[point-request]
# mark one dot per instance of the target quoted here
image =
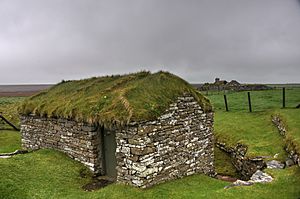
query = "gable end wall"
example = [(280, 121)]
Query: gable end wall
[(179, 143)]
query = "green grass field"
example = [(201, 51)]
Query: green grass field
[(51, 174), (261, 100), (9, 141), (291, 118), (256, 129)]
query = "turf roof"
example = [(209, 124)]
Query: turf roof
[(120, 98)]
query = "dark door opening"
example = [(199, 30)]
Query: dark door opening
[(109, 153)]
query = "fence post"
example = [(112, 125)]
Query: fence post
[(249, 101), (283, 97), (226, 105)]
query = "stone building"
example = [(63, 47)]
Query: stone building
[(222, 85), (140, 129)]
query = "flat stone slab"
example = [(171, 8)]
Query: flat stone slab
[(4, 157), (239, 183), (257, 177), (274, 164), (16, 152), (261, 177)]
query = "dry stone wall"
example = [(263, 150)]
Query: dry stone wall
[(80, 141), (246, 166), (290, 147), (179, 143)]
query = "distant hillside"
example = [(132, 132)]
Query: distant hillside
[(284, 85), (22, 90), (197, 85)]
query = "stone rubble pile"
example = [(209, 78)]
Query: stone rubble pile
[(261, 177), (257, 177)]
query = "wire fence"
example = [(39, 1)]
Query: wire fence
[(277, 97)]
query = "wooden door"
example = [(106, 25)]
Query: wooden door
[(110, 153)]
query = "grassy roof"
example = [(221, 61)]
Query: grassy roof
[(119, 98)]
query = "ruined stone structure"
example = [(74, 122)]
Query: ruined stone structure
[(233, 85), (178, 143), (290, 148), (246, 166)]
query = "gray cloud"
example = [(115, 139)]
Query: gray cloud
[(251, 41)]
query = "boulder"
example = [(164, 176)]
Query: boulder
[(289, 162)]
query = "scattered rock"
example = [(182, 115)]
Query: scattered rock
[(274, 164), (261, 177), (276, 155), (289, 162), (239, 183), (257, 177)]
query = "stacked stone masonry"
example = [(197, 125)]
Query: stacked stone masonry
[(80, 141), (290, 147), (246, 166), (179, 143)]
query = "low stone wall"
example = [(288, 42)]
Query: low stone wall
[(179, 143), (244, 165), (290, 147), (78, 140)]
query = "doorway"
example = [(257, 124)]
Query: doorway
[(109, 153)]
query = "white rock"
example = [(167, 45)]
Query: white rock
[(149, 171), (5, 156), (138, 167), (137, 182), (125, 150), (274, 164), (190, 173), (148, 161), (261, 177), (163, 117)]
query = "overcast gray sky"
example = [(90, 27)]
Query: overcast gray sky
[(45, 41)]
